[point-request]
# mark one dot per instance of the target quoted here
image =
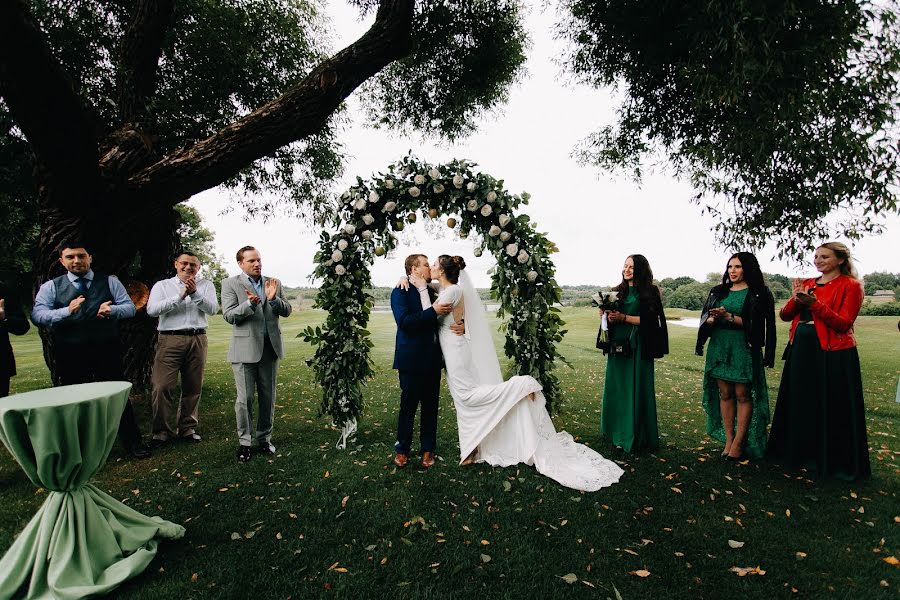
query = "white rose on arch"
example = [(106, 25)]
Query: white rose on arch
[(470, 187), (368, 219), (458, 181), (389, 206), (342, 244), (388, 184), (414, 191), (522, 257), (340, 270), (328, 262), (504, 236), (359, 204), (492, 196), (532, 276), (366, 234), (472, 205), (419, 179), (374, 197), (434, 173), (349, 229), (337, 256), (504, 220), (512, 249), (494, 231), (438, 188), (346, 197), (486, 210)]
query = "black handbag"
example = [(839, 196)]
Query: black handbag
[(623, 348)]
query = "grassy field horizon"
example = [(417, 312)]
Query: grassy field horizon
[(315, 521)]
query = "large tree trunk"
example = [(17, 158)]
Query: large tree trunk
[(109, 190)]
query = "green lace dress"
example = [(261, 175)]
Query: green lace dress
[(628, 418), (729, 359)]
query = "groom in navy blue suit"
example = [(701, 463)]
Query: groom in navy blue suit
[(417, 358)]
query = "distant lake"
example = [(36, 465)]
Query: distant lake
[(685, 322), (387, 308)]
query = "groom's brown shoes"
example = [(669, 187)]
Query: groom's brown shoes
[(427, 459), (400, 460)]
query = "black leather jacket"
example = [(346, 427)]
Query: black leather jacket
[(758, 316)]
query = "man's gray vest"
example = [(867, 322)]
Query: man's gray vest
[(83, 326)]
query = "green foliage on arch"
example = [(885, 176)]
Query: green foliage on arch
[(364, 226)]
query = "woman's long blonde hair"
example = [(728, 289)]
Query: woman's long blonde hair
[(842, 251)]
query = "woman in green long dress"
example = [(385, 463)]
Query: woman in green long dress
[(739, 320), (638, 335)]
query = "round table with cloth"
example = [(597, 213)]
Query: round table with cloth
[(82, 541)]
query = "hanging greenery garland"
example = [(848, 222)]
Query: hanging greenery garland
[(364, 225)]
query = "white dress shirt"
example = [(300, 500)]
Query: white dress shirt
[(176, 313)]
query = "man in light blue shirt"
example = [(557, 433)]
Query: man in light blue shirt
[(82, 309), (182, 304)]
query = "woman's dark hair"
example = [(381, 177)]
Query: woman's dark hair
[(451, 266), (643, 281), (752, 273)]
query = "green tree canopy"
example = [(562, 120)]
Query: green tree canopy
[(780, 112)]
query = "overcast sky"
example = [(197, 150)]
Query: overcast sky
[(595, 218)]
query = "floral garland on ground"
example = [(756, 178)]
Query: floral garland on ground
[(365, 222)]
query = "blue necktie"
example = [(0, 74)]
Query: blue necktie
[(81, 284)]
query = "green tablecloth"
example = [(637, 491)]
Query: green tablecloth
[(81, 541)]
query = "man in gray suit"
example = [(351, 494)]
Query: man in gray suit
[(252, 304)]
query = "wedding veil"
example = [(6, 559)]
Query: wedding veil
[(481, 343)]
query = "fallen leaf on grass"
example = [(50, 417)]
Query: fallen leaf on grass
[(235, 536), (344, 501), (569, 578), (507, 486), (485, 558), (640, 573), (735, 544), (800, 555), (676, 490), (744, 571), (891, 560), (195, 577)]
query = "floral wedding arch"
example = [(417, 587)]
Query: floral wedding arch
[(364, 226)]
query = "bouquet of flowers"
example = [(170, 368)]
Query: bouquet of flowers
[(606, 301)]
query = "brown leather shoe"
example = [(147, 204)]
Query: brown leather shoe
[(427, 459), (400, 460)]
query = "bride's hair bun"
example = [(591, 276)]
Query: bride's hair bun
[(451, 266)]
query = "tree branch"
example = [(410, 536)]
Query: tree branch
[(42, 98), (301, 111), (139, 56)]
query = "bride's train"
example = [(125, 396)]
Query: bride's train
[(507, 421)]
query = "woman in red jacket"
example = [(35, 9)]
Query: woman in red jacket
[(819, 420)]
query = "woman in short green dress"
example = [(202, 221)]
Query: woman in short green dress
[(739, 320), (638, 326)]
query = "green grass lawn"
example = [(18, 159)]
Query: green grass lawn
[(316, 521)]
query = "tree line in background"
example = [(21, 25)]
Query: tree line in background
[(678, 292)]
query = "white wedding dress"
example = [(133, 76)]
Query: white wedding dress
[(497, 417)]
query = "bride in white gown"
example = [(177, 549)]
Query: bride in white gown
[(500, 422)]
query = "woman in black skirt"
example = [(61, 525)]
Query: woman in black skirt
[(819, 421)]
